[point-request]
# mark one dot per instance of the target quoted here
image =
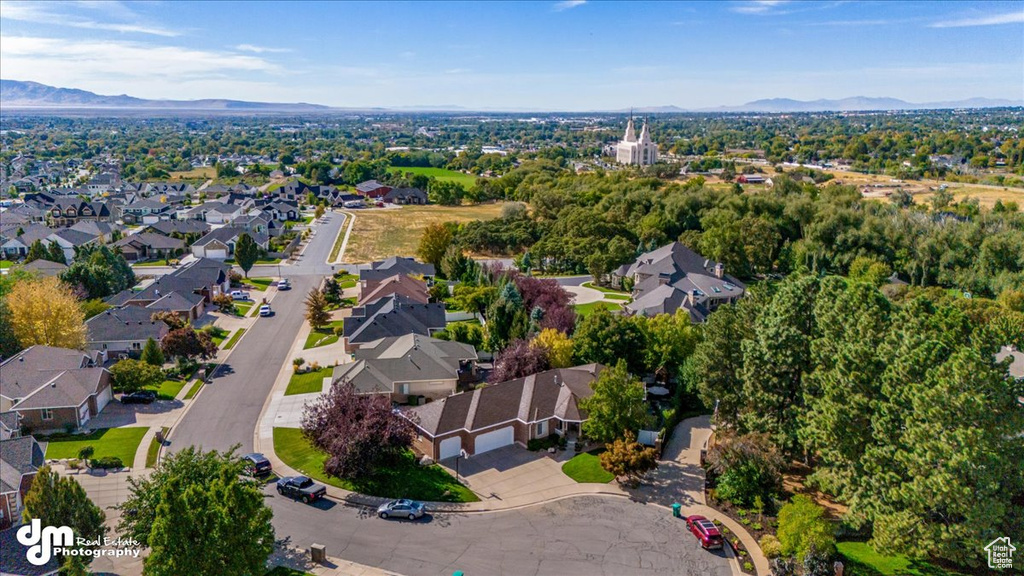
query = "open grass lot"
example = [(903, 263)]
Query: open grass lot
[(205, 173), (120, 442), (378, 234), (585, 468), (862, 560), (323, 336), (234, 339), (584, 310), (405, 479), (441, 174), (169, 389), (308, 382)]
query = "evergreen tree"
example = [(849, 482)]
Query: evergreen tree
[(54, 253), (61, 501), (36, 251)]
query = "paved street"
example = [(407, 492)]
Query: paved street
[(229, 407), (577, 536)]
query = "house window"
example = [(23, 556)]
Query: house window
[(47, 414), (541, 429), (403, 388), (136, 346)]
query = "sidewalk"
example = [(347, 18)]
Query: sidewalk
[(298, 559)]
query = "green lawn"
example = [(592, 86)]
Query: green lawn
[(242, 308), (307, 219), (346, 280), (234, 339), (258, 261), (194, 389), (5, 264), (619, 297), (217, 334), (154, 449), (862, 560), (404, 479), (151, 263), (168, 389), (605, 290), (585, 467), (441, 174), (584, 310), (257, 283), (308, 382), (323, 336), (120, 442)]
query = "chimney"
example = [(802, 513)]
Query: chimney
[(719, 270)]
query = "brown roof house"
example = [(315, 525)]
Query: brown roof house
[(408, 286), (504, 414), (53, 388), (407, 367)]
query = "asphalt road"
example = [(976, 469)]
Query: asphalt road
[(229, 407), (584, 536)]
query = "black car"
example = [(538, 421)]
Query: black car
[(139, 397), (302, 488), (256, 464)]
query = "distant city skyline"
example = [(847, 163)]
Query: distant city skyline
[(568, 55)]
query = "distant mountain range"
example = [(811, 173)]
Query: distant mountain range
[(18, 94)]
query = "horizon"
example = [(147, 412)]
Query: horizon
[(536, 56)]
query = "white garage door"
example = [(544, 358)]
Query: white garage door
[(219, 254), (102, 399), (450, 447), (496, 439)]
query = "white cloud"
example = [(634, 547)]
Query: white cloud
[(758, 6), (991, 20), (568, 5), (260, 49), (41, 13)]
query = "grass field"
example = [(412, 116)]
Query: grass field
[(441, 174), (234, 339), (405, 479), (308, 382), (168, 389), (378, 234), (205, 173), (584, 310), (585, 468), (242, 308), (862, 560), (119, 442)]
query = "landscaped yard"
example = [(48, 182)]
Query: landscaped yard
[(242, 308), (604, 289), (405, 479), (169, 389), (585, 467), (346, 280), (234, 339), (441, 174), (151, 263), (308, 382), (378, 234), (862, 560), (323, 336), (120, 442), (584, 310)]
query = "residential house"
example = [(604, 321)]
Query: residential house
[(169, 189), (405, 196), (282, 211), (20, 459), (504, 414), (189, 306), (394, 315), (219, 244), (53, 388), (45, 268), (673, 278), (123, 330), (69, 240), (202, 277), (147, 245), (395, 265), (406, 367), (146, 211), (15, 246), (180, 228), (104, 182), (415, 290), (103, 231), (372, 189), (10, 425), (69, 210), (215, 212)]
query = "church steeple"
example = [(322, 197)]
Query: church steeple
[(645, 135), (630, 132)]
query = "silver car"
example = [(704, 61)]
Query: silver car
[(410, 509)]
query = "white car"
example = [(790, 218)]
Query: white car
[(284, 284), (239, 295), (265, 310)]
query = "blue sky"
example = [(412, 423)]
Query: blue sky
[(520, 55)]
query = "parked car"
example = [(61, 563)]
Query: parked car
[(239, 295), (256, 464), (302, 488), (706, 532), (284, 284), (265, 310), (380, 204), (410, 509), (139, 397)]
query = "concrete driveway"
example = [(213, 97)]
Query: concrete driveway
[(513, 474)]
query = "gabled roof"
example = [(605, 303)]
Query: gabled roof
[(396, 265), (93, 227), (404, 194), (380, 364), (394, 315), (175, 302), (124, 324), (370, 186), (230, 233), (18, 456), (75, 237), (188, 226), (152, 240), (398, 284), (27, 370)]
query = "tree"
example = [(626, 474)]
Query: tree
[(191, 497), (439, 292), (319, 212), (748, 467), (43, 311), (670, 340), (434, 242), (36, 251), (445, 192), (454, 263), (99, 271), (359, 432), (186, 343), (472, 298), (173, 320), (61, 501), (54, 253), (869, 270), (131, 375), (617, 406), (605, 338), (802, 525), (519, 359), (224, 303), (246, 252), (316, 309), (558, 347), (629, 460)]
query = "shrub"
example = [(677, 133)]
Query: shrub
[(757, 526), (802, 525), (86, 452), (749, 467), (107, 462), (748, 567), (339, 331), (74, 463), (771, 546), (297, 363), (314, 366)]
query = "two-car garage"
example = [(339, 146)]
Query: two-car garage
[(452, 446)]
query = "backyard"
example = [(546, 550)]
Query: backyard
[(119, 442), (404, 479), (862, 560), (308, 382), (378, 234)]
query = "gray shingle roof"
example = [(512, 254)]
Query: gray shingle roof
[(393, 315), (126, 323), (14, 559), (27, 370), (152, 240), (18, 456), (380, 364)]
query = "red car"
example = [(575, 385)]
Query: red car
[(705, 531)]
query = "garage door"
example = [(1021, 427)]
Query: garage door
[(220, 254), (450, 447), (103, 399), (496, 439)]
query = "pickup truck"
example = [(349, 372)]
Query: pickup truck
[(302, 488)]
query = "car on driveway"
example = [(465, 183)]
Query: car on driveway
[(239, 295), (707, 533), (410, 509), (265, 310), (301, 488), (256, 464), (139, 397)]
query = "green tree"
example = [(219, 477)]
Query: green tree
[(617, 407), (718, 361), (246, 252), (558, 346), (670, 340), (54, 253), (319, 212), (802, 525), (131, 375), (151, 353), (316, 309), (454, 263), (749, 468), (434, 243), (36, 251), (606, 338), (61, 501), (869, 270), (445, 192)]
